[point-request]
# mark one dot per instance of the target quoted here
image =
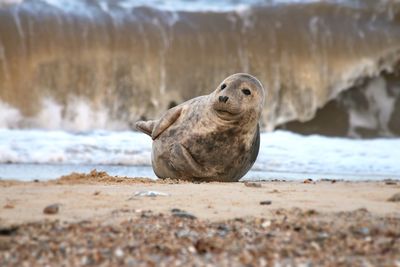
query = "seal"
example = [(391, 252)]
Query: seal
[(214, 137)]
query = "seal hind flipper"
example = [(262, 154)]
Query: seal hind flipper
[(145, 126), (165, 121)]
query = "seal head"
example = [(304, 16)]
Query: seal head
[(238, 97)]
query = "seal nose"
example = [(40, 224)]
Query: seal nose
[(223, 98)]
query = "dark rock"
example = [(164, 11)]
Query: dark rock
[(182, 214), (8, 230), (266, 202), (51, 209)]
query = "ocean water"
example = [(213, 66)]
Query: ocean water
[(40, 154), (71, 67)]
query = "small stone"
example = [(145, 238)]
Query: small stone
[(251, 184), (176, 210), (395, 198), (191, 249), (8, 230), (51, 209), (308, 181), (266, 224), (119, 253), (150, 194), (390, 182), (96, 193), (182, 214), (8, 206), (266, 202)]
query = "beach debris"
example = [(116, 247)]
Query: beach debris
[(395, 198), (252, 184), (308, 181), (266, 202), (150, 194), (182, 214), (51, 209)]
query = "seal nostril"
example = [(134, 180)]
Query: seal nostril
[(223, 98)]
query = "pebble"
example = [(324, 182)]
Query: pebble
[(150, 194), (119, 253), (266, 224), (8, 230), (51, 209), (395, 198), (390, 182), (182, 214), (266, 202), (8, 206)]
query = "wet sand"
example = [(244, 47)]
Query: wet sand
[(103, 219)]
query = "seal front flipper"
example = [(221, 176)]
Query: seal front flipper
[(145, 126), (184, 162), (165, 121)]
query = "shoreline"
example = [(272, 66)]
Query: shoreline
[(97, 194)]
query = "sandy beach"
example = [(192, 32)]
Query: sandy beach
[(286, 214)]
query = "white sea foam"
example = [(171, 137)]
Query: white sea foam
[(280, 152), (10, 117), (77, 115), (79, 6)]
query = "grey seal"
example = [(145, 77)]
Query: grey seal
[(214, 137)]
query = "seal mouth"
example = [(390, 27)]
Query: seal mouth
[(225, 112), (226, 115)]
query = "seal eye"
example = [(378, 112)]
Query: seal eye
[(223, 86), (246, 91)]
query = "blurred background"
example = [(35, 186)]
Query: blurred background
[(75, 75)]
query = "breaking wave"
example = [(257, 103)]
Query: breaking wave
[(83, 65)]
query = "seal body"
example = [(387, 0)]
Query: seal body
[(215, 137)]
